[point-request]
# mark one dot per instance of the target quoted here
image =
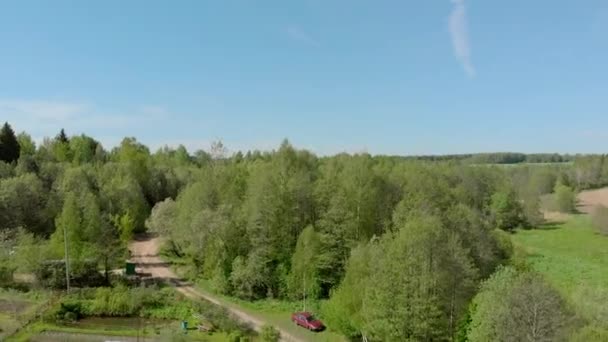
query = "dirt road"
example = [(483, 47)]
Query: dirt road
[(144, 251)]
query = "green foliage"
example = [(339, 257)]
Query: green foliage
[(600, 219), (517, 307), (506, 210), (125, 225), (118, 301), (236, 336), (84, 149), (589, 301), (565, 198), (68, 310), (344, 310), (572, 257), (69, 224), (220, 283), (303, 279), (136, 157), (162, 219), (121, 193), (23, 203), (26, 144), (60, 147), (399, 246), (9, 146), (589, 172), (6, 170), (29, 252), (6, 275), (270, 334), (436, 277), (590, 333)]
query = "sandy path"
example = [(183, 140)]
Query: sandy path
[(144, 253)]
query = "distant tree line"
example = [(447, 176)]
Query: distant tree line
[(499, 158)]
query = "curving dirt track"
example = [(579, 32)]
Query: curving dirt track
[(144, 252)]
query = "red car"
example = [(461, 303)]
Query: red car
[(307, 320)]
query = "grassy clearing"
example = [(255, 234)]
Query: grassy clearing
[(124, 312), (574, 258), (278, 313), (17, 308), (39, 328)]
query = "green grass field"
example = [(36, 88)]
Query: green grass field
[(574, 258), (38, 328)]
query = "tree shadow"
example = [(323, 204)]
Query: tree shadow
[(145, 236), (549, 226), (153, 264)]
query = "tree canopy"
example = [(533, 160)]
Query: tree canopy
[(9, 146), (396, 248)]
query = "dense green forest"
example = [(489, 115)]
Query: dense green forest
[(398, 249)]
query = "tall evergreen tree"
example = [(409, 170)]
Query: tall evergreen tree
[(9, 146), (61, 147), (62, 137)]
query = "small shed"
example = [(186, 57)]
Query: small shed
[(129, 268)]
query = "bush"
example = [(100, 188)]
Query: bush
[(118, 301), (270, 334), (219, 317), (6, 275), (590, 334), (68, 311), (600, 219), (51, 274), (514, 306), (220, 283), (565, 199), (237, 336)]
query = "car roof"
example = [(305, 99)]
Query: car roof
[(305, 314)]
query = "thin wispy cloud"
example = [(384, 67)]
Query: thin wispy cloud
[(44, 118), (457, 25), (42, 110), (298, 34)]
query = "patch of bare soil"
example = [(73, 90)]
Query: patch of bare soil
[(13, 306), (590, 199)]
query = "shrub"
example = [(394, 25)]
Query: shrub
[(237, 336), (118, 301), (590, 333), (270, 334), (6, 275), (51, 274), (565, 198), (69, 310), (219, 282), (600, 219)]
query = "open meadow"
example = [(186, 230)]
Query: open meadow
[(573, 257)]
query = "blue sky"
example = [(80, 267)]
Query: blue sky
[(390, 77)]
